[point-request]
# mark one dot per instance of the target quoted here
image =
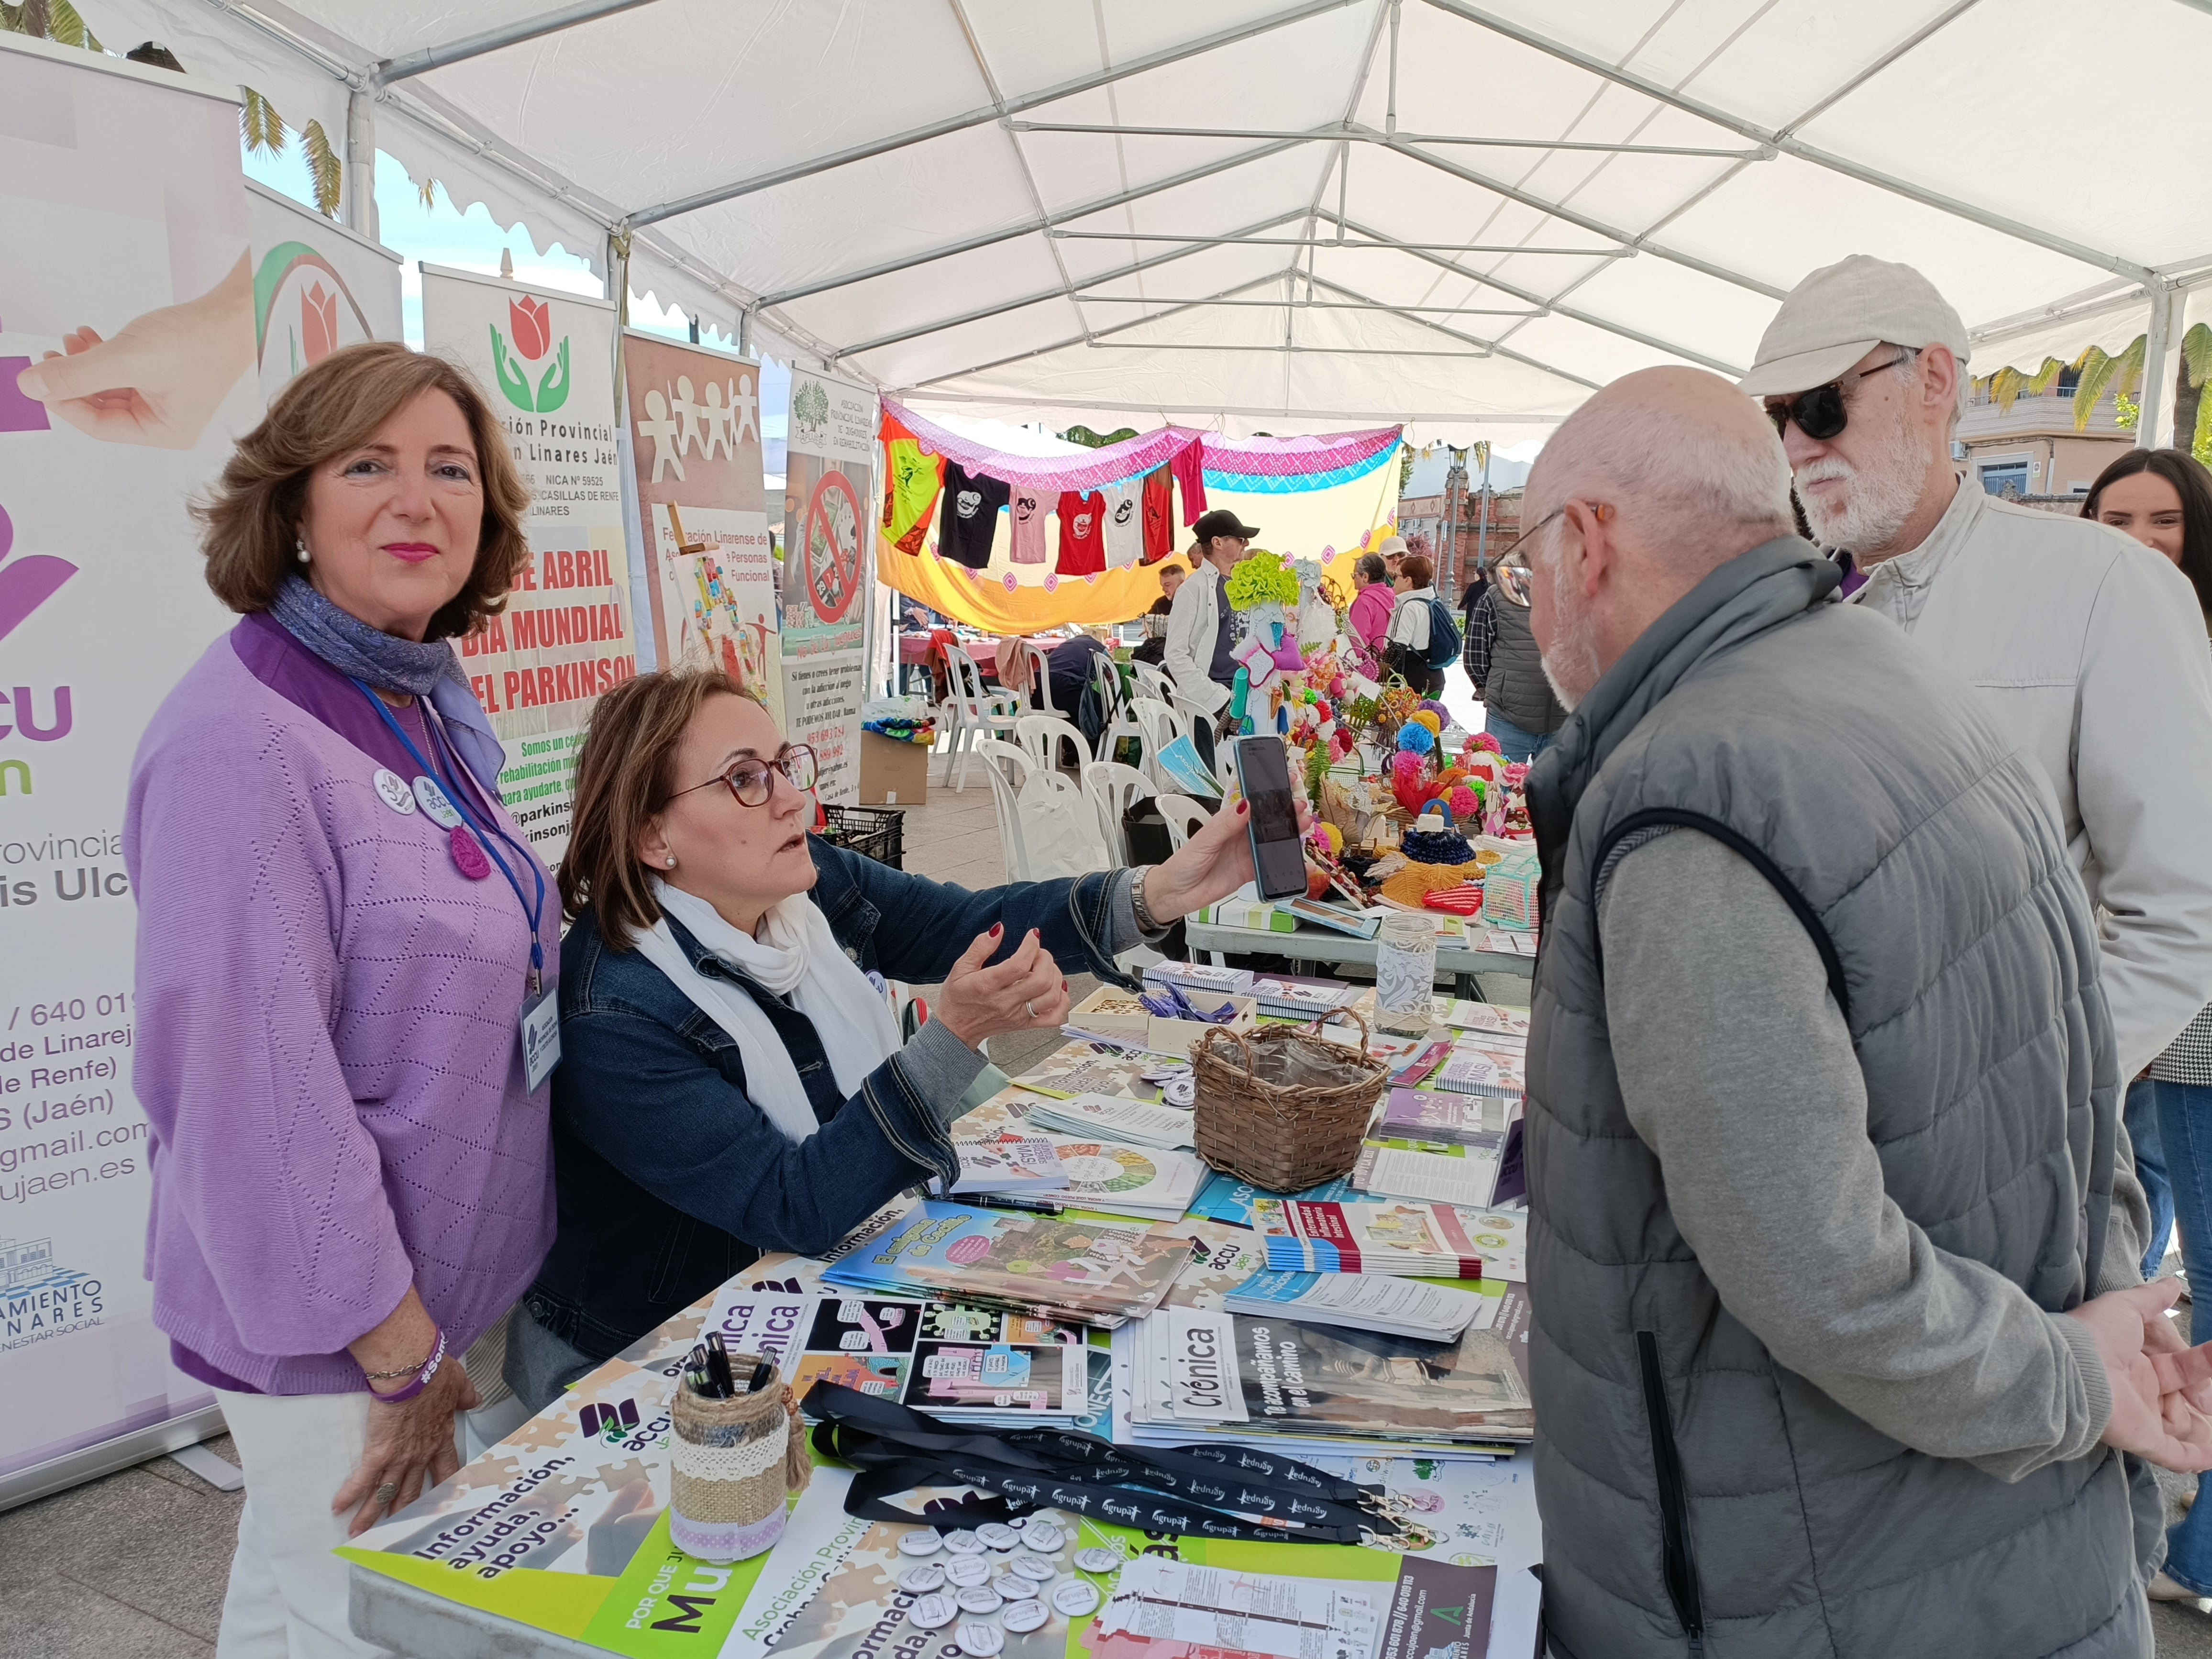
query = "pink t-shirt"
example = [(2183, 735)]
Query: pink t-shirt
[(1028, 508)]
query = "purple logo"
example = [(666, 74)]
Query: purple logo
[(26, 583)]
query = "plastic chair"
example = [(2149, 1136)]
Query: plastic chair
[(1126, 729), (1113, 788), (1016, 776), (1183, 815), (1161, 726), (1041, 680), (971, 714), (1152, 681), (1041, 736)]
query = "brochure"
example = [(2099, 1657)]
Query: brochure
[(1092, 1272), (1302, 998), (1443, 1171), (1224, 1198), (1111, 1117), (1179, 759), (1156, 1182), (1093, 1068), (1007, 1163), (1185, 1605), (1360, 923), (1410, 1308), (1437, 1241), (1438, 1114), (1472, 1070), (1482, 1017)]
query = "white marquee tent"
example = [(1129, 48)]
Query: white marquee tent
[(1291, 215)]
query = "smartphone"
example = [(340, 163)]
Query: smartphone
[(1279, 859)]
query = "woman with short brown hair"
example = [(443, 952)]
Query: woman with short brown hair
[(732, 1081), (343, 954)]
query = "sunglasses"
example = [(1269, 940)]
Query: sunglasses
[(1820, 414), (749, 779)]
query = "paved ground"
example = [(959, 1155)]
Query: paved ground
[(133, 1566)]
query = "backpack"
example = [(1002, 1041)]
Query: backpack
[(1443, 636)]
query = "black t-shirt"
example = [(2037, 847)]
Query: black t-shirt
[(969, 517)]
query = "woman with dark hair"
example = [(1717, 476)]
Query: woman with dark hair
[(1372, 601), (345, 948), (2163, 498)]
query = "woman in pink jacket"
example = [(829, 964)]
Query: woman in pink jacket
[(1372, 603)]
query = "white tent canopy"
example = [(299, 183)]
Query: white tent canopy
[(1286, 215)]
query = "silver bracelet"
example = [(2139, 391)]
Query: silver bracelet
[(1146, 921)]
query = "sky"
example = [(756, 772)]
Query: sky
[(441, 235)]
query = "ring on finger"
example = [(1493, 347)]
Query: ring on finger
[(1029, 1008), (385, 1493)]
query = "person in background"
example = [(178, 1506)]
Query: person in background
[(1069, 668), (2163, 498), (1154, 644), (1394, 550), (1838, 1336), (344, 945), (731, 1081), (1201, 627), (1373, 598), (1420, 629), (1519, 708)]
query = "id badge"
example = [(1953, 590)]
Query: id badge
[(541, 1037)]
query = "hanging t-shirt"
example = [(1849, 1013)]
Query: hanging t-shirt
[(1082, 534), (1027, 506), (1125, 526), (970, 519), (1189, 466), (1159, 514), (911, 482)]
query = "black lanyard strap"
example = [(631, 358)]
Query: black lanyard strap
[(1217, 1491)]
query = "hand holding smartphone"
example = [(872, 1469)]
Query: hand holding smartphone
[(1278, 860)]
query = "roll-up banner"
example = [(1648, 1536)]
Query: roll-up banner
[(546, 361), (127, 369), (828, 571), (695, 444), (317, 286)]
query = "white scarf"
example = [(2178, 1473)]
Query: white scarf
[(795, 954)]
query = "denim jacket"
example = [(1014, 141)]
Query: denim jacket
[(670, 1179)]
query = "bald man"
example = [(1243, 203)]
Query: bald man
[(1839, 1336)]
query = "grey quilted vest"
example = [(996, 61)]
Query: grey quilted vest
[(1699, 1498), (1516, 687)]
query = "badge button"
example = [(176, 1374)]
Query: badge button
[(392, 789), (435, 805)]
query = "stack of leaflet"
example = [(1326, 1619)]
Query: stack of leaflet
[(1200, 975), (1302, 998), (1425, 1241), (1110, 1117), (1491, 1018), (1474, 1069), (1395, 1307), (1439, 1171), (1464, 1120), (1089, 1273), (1026, 1165), (1155, 1183)]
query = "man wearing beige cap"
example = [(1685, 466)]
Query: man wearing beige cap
[(2087, 647)]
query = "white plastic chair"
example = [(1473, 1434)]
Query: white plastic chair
[(1183, 815), (1127, 728), (1041, 679), (971, 714), (1152, 681), (1113, 788), (1161, 726), (1041, 736), (1016, 781)]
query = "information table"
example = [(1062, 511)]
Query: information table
[(1319, 944)]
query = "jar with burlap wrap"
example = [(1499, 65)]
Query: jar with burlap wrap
[(736, 1462)]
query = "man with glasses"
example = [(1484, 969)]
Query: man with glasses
[(1519, 708), (1837, 1330), (1201, 626), (2086, 649)]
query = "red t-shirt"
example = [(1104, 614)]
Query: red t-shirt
[(1159, 514), (1082, 534)]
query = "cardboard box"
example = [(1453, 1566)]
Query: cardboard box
[(1115, 1015), (893, 774)]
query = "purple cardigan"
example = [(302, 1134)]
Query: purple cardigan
[(326, 1033)]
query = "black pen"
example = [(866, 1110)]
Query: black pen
[(999, 1201)]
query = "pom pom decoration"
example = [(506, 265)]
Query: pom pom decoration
[(1431, 705), (1329, 839), (1483, 740), (1464, 804), (1424, 717), (1413, 738)]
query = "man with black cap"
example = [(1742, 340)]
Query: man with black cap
[(1201, 627)]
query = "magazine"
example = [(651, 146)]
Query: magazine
[(1411, 1307), (1429, 1241), (1222, 1257), (1224, 1198), (1179, 759), (1445, 1172), (1095, 1272)]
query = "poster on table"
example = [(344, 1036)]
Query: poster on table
[(546, 361), (317, 286), (127, 349), (695, 444), (829, 536)]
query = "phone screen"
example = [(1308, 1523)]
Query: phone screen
[(1277, 858)]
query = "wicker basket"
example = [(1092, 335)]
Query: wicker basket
[(1282, 1108)]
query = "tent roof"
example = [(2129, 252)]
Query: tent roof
[(1291, 214)]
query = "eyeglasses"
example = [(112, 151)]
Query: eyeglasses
[(748, 780), (1820, 414), (1511, 573)]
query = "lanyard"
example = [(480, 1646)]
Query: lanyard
[(1210, 1491), (485, 836)]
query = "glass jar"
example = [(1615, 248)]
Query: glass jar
[(1405, 963)]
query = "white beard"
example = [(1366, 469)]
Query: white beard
[(1878, 496), (1572, 664)]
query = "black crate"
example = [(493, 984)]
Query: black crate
[(873, 832)]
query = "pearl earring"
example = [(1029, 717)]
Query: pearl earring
[(671, 860), (300, 543)]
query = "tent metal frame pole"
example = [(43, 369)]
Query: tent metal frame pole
[(990, 238), (984, 314), (1795, 148), (1303, 243), (2161, 346), (981, 115), (1572, 313), (1491, 347), (1763, 153), (1294, 351), (1317, 304), (359, 195), (510, 34)]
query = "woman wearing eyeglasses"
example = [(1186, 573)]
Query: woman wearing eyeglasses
[(731, 1079)]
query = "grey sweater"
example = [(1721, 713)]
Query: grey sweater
[(1737, 1070)]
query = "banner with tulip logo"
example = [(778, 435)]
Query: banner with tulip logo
[(546, 359), (317, 286)]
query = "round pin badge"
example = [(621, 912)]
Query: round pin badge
[(921, 1579), (391, 789), (962, 1542), (1023, 1617), (922, 1541), (962, 1570), (1076, 1597), (1015, 1588), (997, 1535), (1095, 1559), (1030, 1566), (435, 805), (979, 1640), (1043, 1536), (980, 1598), (934, 1612)]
